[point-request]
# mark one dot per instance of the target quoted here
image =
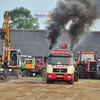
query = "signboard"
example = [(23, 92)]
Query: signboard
[(60, 52), (41, 14)]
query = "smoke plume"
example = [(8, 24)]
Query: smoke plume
[(81, 14)]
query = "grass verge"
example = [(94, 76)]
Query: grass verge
[(37, 77), (89, 80)]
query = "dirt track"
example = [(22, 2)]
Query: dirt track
[(35, 89)]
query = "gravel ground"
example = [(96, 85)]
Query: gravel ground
[(35, 89)]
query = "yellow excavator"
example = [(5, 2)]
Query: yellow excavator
[(11, 58)]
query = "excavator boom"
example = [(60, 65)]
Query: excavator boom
[(6, 40)]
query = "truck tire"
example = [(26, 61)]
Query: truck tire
[(75, 76), (25, 73), (87, 76), (76, 68), (48, 81), (81, 71), (96, 74), (70, 82), (99, 72)]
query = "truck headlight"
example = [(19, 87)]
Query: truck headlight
[(50, 75), (10, 70), (69, 76), (1, 69)]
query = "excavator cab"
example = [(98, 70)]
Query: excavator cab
[(15, 57)]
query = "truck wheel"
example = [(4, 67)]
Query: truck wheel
[(76, 68), (52, 81), (48, 81), (87, 76), (75, 76), (70, 82), (99, 72), (96, 74), (25, 73), (81, 71)]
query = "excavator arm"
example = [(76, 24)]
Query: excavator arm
[(6, 40)]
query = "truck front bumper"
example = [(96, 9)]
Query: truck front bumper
[(63, 77)]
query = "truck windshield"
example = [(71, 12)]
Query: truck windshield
[(28, 61), (87, 57), (24, 59), (60, 60)]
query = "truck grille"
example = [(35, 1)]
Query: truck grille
[(59, 70), (93, 66)]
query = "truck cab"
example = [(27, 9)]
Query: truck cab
[(59, 67), (39, 63), (28, 68)]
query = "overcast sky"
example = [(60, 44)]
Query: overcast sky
[(33, 5)]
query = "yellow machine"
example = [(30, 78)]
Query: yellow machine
[(11, 58)]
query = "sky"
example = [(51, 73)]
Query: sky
[(7, 5)]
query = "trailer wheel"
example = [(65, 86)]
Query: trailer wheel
[(25, 73), (81, 71), (96, 74), (70, 82)]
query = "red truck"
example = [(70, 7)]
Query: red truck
[(39, 63), (60, 68), (87, 65)]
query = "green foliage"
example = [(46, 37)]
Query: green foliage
[(21, 18)]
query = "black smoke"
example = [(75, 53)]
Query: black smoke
[(82, 13)]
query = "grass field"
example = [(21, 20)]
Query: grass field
[(37, 77), (89, 80)]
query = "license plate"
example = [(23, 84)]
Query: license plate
[(59, 76)]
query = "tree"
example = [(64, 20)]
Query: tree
[(21, 18)]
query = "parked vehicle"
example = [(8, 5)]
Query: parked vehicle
[(39, 63), (87, 65), (28, 68)]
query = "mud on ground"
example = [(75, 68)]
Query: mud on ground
[(35, 89)]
